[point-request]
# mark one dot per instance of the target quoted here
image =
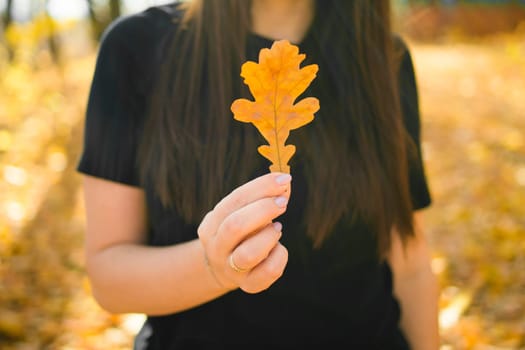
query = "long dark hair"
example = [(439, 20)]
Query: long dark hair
[(358, 167)]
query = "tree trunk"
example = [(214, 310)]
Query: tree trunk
[(114, 9), (8, 15), (8, 18), (52, 40), (96, 26)]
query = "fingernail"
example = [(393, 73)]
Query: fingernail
[(281, 201), (277, 226), (283, 179)]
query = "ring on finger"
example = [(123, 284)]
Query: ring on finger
[(234, 266)]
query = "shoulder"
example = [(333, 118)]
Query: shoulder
[(401, 51), (131, 47), (399, 42), (404, 58), (138, 32)]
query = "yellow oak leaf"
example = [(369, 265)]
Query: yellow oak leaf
[(275, 83)]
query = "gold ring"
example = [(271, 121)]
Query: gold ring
[(234, 266)]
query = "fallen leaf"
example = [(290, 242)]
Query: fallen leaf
[(450, 315), (275, 83)]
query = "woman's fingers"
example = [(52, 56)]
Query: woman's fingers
[(243, 224), (240, 224), (269, 185), (255, 249), (267, 272)]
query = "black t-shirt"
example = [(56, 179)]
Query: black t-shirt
[(338, 294)]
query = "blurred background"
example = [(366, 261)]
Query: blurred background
[(470, 64)]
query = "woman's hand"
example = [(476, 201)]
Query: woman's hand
[(241, 243)]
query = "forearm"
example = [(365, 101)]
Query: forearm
[(152, 280), (418, 296)]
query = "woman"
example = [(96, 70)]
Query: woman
[(186, 225)]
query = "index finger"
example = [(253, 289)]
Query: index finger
[(268, 185)]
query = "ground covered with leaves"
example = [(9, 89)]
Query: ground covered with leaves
[(471, 95)]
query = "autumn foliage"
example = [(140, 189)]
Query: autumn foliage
[(275, 83), (473, 142)]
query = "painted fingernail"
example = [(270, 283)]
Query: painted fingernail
[(283, 179), (281, 201), (277, 226)]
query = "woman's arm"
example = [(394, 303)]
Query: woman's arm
[(127, 276), (416, 288)]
